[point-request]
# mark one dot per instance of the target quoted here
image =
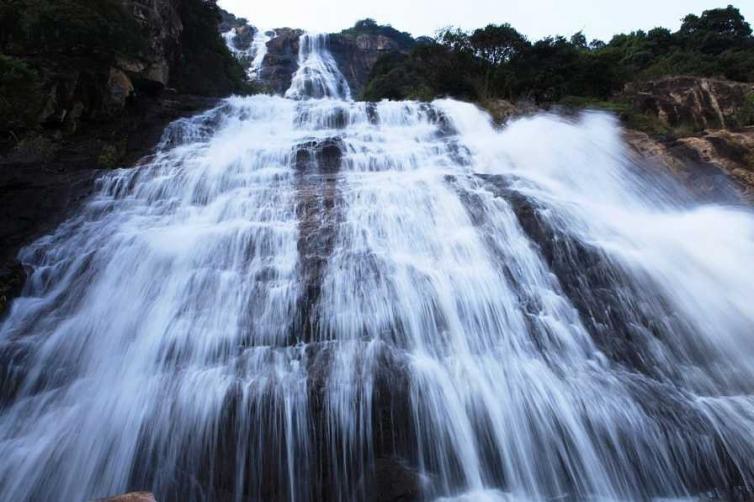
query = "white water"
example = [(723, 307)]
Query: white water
[(318, 75), (254, 55), (251, 317)]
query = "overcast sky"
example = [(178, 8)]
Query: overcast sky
[(535, 18)]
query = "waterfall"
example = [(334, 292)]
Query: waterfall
[(334, 300), (259, 49), (317, 75), (254, 55)]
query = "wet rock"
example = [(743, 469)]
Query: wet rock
[(731, 152), (714, 164), (44, 178), (130, 497), (503, 110), (12, 279), (244, 37), (395, 481), (697, 103)]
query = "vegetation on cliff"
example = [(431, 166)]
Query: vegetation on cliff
[(499, 62), (67, 58)]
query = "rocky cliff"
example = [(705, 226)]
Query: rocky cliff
[(281, 60), (356, 55), (708, 139), (693, 103), (355, 50), (91, 91)]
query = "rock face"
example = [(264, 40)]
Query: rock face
[(710, 147), (714, 165), (162, 26), (698, 103), (356, 56), (96, 111), (730, 151), (281, 60)]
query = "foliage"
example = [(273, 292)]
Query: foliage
[(94, 28), (206, 67), (499, 62), (370, 27), (745, 116), (20, 98)]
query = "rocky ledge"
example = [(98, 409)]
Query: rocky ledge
[(707, 138)]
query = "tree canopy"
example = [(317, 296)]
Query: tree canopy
[(499, 61)]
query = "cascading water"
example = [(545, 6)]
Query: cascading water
[(318, 75), (333, 300), (254, 55)]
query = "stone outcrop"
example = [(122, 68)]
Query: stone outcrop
[(357, 55), (281, 60), (692, 102), (710, 150), (162, 27), (714, 165), (730, 151)]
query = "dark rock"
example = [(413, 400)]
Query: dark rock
[(244, 36), (394, 481), (356, 56), (12, 279), (281, 60), (162, 27), (44, 178)]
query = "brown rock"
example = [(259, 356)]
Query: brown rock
[(120, 88), (698, 103), (701, 161), (131, 497)]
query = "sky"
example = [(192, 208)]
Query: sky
[(535, 18)]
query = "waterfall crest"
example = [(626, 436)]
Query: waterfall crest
[(309, 300), (317, 75)]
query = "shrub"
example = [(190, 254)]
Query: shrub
[(20, 94)]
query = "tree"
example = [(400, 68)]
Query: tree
[(716, 30), (579, 40), (497, 44)]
